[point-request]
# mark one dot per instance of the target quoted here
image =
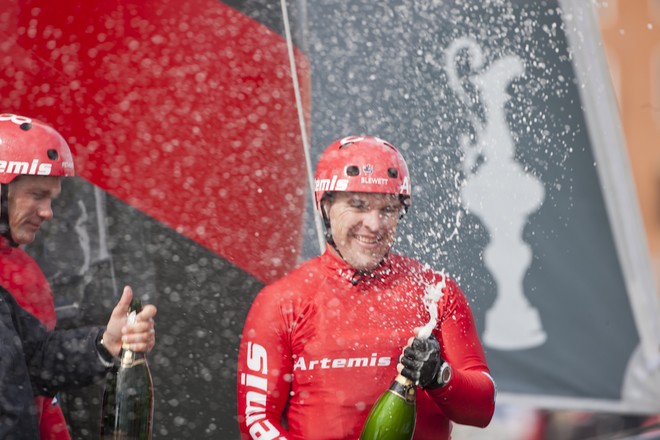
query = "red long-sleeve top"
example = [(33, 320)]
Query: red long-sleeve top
[(321, 344), (23, 278)]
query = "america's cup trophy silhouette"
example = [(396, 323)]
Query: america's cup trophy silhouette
[(501, 194)]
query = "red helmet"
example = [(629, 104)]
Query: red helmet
[(362, 164), (28, 146)]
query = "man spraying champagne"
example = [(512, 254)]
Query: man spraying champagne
[(321, 344)]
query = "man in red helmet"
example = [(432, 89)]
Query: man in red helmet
[(33, 159), (321, 344)]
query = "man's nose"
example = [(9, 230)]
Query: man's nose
[(45, 210), (372, 219)]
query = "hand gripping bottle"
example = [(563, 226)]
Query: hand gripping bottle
[(128, 400)]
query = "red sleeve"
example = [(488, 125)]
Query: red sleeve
[(52, 425), (469, 398), (265, 369), (23, 278)]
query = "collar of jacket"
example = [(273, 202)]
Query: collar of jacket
[(353, 276), (6, 243)]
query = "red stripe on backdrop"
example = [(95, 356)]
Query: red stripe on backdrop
[(185, 110)]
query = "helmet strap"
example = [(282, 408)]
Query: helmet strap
[(326, 223), (328, 229), (405, 204), (4, 211)]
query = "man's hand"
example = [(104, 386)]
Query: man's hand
[(421, 361), (140, 336)]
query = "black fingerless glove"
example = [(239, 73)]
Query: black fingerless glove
[(422, 361)]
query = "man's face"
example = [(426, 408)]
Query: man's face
[(363, 226), (30, 205)]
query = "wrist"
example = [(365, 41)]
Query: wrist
[(103, 350), (443, 377)]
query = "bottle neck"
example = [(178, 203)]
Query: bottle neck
[(128, 357), (404, 388)]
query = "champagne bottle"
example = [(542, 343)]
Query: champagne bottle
[(128, 400), (394, 414)]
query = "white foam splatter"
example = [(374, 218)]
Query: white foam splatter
[(431, 297)]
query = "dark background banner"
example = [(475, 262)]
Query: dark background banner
[(193, 185)]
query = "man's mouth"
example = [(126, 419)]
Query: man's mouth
[(367, 240)]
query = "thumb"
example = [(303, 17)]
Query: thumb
[(112, 335), (121, 309)]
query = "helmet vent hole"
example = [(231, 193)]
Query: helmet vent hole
[(352, 170), (393, 173), (25, 126), (52, 154)]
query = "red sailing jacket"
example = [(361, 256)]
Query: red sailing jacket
[(23, 278), (321, 344)]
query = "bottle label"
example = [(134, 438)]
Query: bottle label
[(406, 392), (130, 318), (134, 363), (129, 359)]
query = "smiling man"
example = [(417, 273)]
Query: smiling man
[(321, 344), (363, 227)]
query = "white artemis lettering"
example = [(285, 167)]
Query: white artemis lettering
[(259, 427), (35, 168), (333, 184), (374, 361), (405, 186)]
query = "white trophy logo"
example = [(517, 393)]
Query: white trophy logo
[(500, 193)]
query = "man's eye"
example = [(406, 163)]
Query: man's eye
[(40, 195), (359, 205)]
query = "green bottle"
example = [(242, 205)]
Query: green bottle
[(394, 414), (128, 400)]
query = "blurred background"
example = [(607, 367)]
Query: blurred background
[(631, 39)]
